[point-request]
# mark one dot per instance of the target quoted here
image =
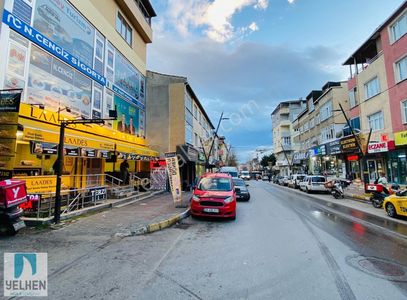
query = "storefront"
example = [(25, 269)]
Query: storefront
[(334, 164), (396, 160), (70, 72), (351, 154), (188, 158), (376, 158), (316, 162), (300, 162)]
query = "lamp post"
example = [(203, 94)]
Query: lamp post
[(60, 158)]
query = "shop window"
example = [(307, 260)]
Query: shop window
[(376, 121), (401, 69), (124, 29)]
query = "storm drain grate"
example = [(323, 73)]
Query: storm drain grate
[(378, 267)]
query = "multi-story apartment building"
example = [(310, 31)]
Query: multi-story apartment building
[(317, 128), (282, 119), (378, 93), (75, 59), (177, 122)]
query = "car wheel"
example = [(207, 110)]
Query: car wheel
[(248, 198), (307, 190), (391, 210)]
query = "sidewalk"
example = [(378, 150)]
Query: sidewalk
[(357, 192), (117, 221)]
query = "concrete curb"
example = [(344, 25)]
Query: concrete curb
[(153, 227)]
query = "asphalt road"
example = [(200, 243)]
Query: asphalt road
[(281, 246)]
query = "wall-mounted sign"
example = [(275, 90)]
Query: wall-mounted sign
[(319, 150), (88, 152), (349, 145), (401, 138), (333, 148), (376, 147), (72, 151), (36, 37)]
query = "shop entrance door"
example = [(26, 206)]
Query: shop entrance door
[(372, 169), (93, 168)]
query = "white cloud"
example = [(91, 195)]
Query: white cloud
[(253, 27), (291, 1), (215, 17)]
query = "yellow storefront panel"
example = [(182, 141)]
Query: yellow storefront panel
[(45, 184), (400, 138)]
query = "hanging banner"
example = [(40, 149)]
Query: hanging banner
[(174, 176)]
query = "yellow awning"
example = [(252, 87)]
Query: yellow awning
[(45, 128)]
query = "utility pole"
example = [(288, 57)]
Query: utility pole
[(213, 141)]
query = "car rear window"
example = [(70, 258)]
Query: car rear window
[(300, 177), (215, 184), (239, 182), (318, 179)]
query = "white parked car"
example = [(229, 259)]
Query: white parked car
[(302, 183), (314, 183), (245, 175), (295, 180)]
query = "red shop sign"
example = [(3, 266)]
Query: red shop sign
[(353, 157)]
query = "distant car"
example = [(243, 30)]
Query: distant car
[(232, 171), (315, 183), (265, 178), (214, 196), (295, 180), (245, 175), (283, 180), (396, 204), (276, 178), (242, 193)]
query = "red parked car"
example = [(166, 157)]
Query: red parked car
[(214, 196)]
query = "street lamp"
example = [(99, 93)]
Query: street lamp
[(60, 157)]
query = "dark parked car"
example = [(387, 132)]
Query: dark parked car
[(242, 193)]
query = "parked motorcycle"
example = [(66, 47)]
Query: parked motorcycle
[(380, 192), (337, 186), (12, 194)]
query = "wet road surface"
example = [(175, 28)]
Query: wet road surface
[(281, 246)]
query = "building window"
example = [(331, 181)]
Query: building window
[(401, 69), (372, 88), (399, 28), (196, 140), (195, 111), (404, 111), (124, 29), (286, 140), (188, 102), (188, 133), (326, 111), (352, 98), (306, 127), (312, 123), (311, 105), (376, 121)]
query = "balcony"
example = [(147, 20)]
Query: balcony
[(139, 13), (285, 122)]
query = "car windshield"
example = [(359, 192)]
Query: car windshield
[(318, 179), (215, 184), (300, 177), (245, 172), (239, 182)]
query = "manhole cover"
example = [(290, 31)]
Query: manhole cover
[(379, 267)]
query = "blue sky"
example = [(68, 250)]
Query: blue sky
[(245, 56)]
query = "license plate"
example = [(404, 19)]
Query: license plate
[(211, 210), (17, 226)]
